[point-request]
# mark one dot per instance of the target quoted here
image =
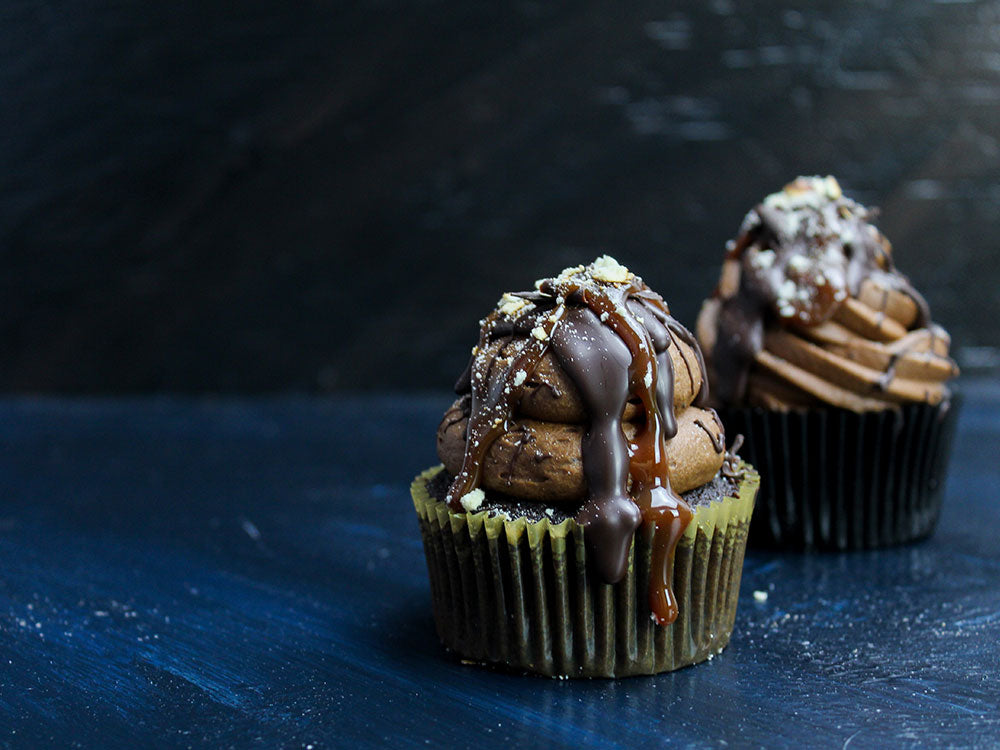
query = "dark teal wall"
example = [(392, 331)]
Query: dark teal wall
[(208, 196)]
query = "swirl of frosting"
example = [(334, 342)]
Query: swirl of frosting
[(810, 310), (587, 391)]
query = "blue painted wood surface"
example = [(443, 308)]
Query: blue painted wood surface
[(182, 573)]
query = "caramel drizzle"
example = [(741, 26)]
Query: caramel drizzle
[(610, 514)]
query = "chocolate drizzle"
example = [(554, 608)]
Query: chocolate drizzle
[(731, 463), (802, 253), (612, 336), (718, 441)]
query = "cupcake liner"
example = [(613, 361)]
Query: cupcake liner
[(521, 594), (835, 479)]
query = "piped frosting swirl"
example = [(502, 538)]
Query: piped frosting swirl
[(811, 310)]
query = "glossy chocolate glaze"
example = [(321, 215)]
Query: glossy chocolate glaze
[(802, 253), (612, 338)]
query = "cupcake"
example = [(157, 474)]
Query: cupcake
[(587, 520), (825, 358)]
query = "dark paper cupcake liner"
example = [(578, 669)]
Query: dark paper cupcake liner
[(835, 479), (522, 595)]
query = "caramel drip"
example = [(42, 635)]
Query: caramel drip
[(647, 461), (586, 325)]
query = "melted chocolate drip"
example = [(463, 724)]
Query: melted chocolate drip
[(803, 252), (613, 341), (595, 359), (731, 463)]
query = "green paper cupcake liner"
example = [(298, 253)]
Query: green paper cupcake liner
[(521, 594), (840, 480)]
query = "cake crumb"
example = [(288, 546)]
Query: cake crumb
[(798, 262), (472, 500), (565, 275), (510, 304), (610, 270), (833, 190), (760, 596), (762, 259)]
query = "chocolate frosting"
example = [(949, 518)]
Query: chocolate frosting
[(611, 341), (811, 309)]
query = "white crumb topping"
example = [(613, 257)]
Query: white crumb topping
[(833, 190), (604, 317), (762, 259), (565, 275), (511, 305), (539, 333), (787, 290), (472, 500), (610, 270), (805, 192), (760, 596), (798, 262), (519, 377), (751, 220), (648, 379)]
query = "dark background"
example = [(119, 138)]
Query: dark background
[(207, 196)]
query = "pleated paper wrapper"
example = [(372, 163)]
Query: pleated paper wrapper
[(521, 594), (835, 479)]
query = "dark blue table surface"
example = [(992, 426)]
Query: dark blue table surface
[(236, 572)]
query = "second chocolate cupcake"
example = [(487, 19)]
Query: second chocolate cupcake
[(825, 357)]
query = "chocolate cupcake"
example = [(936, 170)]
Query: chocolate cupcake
[(587, 520), (824, 356)]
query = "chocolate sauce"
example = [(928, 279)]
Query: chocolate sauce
[(802, 253), (718, 441), (886, 378), (731, 463), (613, 340)]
